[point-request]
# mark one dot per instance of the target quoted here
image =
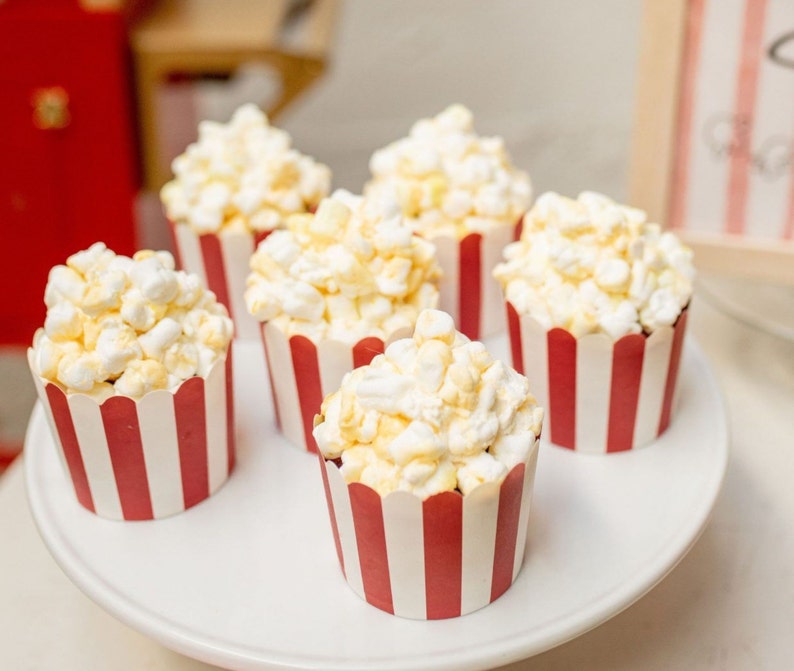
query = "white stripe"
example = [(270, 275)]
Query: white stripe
[(236, 250), (285, 392), (402, 523), (768, 192), (215, 409), (526, 506), (45, 403), (345, 527), (480, 513), (190, 251), (656, 361), (492, 306), (535, 348), (448, 254), (714, 102), (335, 359), (593, 380), (157, 421), (87, 420)]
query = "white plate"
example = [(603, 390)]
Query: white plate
[(249, 579)]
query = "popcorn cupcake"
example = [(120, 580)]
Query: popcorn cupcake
[(133, 370), (460, 191), (597, 303), (331, 289), (428, 458), (231, 188)]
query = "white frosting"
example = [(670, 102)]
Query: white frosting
[(242, 176), (434, 413), (117, 325), (590, 265), (348, 272), (448, 180)]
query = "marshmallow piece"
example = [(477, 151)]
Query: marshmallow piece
[(242, 176), (63, 322), (116, 347), (140, 377), (447, 179), (434, 413), (352, 270), (590, 265), (127, 310)]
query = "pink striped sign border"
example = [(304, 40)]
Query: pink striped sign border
[(434, 559), (468, 290), (302, 373), (148, 458), (600, 395), (222, 263)]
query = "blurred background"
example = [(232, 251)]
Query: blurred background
[(100, 95)]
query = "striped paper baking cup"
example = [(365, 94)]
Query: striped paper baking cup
[(303, 373), (222, 262), (147, 458), (600, 395), (467, 289), (430, 559)]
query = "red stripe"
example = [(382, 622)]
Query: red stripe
[(371, 543), (686, 107), (214, 269), (624, 394), (562, 387), (175, 245), (331, 512), (120, 418), (191, 430), (230, 425), (364, 351), (469, 285), (443, 538), (270, 377), (259, 236), (672, 372), (510, 494), (514, 329), (71, 448), (307, 377), (744, 113), (519, 230)]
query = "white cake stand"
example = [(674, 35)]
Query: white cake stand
[(249, 579)]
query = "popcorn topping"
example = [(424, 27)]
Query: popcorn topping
[(590, 265), (448, 180), (347, 272), (434, 413), (242, 176), (119, 325)]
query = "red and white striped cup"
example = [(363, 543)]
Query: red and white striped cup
[(467, 289), (600, 395), (148, 458), (303, 373), (221, 260), (434, 559)]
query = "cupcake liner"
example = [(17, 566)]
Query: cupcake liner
[(468, 290), (434, 559), (221, 261), (302, 373), (600, 395), (148, 458)]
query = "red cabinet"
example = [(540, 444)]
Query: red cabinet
[(68, 170)]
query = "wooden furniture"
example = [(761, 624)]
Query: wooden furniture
[(200, 37)]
